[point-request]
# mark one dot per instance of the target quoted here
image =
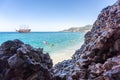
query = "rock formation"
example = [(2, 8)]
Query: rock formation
[(19, 61), (99, 56)]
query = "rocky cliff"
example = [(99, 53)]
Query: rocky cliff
[(99, 56)]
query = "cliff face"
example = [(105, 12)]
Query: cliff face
[(19, 61), (99, 56)]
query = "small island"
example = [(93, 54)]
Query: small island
[(78, 29)]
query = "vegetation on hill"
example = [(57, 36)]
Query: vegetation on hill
[(78, 29)]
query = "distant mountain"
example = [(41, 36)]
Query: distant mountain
[(78, 29)]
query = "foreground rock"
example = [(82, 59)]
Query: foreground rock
[(19, 61), (99, 56)]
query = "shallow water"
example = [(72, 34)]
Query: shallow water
[(50, 41)]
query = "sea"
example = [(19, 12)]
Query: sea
[(51, 42)]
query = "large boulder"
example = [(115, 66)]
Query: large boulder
[(19, 61), (99, 56)]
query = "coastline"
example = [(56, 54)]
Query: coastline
[(94, 55), (65, 54)]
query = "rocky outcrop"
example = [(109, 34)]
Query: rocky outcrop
[(19, 61), (99, 56)]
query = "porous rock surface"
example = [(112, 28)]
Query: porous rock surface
[(99, 56), (19, 61)]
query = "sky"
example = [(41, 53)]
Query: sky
[(49, 15)]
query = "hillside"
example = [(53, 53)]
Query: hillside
[(78, 29)]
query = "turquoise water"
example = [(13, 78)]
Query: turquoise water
[(50, 41)]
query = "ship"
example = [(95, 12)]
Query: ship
[(23, 29)]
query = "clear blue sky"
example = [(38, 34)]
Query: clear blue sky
[(49, 15)]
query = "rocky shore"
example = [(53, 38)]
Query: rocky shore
[(99, 56), (97, 59)]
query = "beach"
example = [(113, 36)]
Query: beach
[(65, 54)]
